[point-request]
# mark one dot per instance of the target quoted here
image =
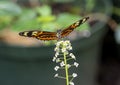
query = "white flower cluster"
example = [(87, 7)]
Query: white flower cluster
[(62, 46), (62, 49)]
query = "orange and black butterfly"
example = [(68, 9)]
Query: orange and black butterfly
[(45, 35)]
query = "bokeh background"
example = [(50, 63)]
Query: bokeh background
[(96, 43)]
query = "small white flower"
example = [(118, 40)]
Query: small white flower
[(63, 50), (68, 65), (74, 75), (56, 75), (56, 54), (54, 58), (76, 64), (58, 60), (67, 41), (66, 52), (69, 48), (71, 83), (62, 64), (57, 44), (56, 49), (72, 56), (65, 44), (56, 68)]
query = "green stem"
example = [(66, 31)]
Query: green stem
[(66, 69)]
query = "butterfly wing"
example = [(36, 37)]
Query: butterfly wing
[(68, 30), (44, 35), (41, 35)]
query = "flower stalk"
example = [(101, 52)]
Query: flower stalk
[(62, 58), (66, 69)]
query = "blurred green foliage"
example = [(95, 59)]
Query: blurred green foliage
[(8, 11), (56, 1), (5, 21), (9, 8), (39, 18)]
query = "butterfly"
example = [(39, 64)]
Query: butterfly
[(45, 35)]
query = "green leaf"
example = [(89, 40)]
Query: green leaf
[(5, 21), (51, 26), (27, 14), (9, 8), (45, 19), (26, 25), (26, 21), (44, 10), (63, 1)]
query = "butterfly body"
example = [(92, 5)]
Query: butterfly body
[(45, 35)]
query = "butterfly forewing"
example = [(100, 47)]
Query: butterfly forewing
[(41, 35), (68, 30)]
